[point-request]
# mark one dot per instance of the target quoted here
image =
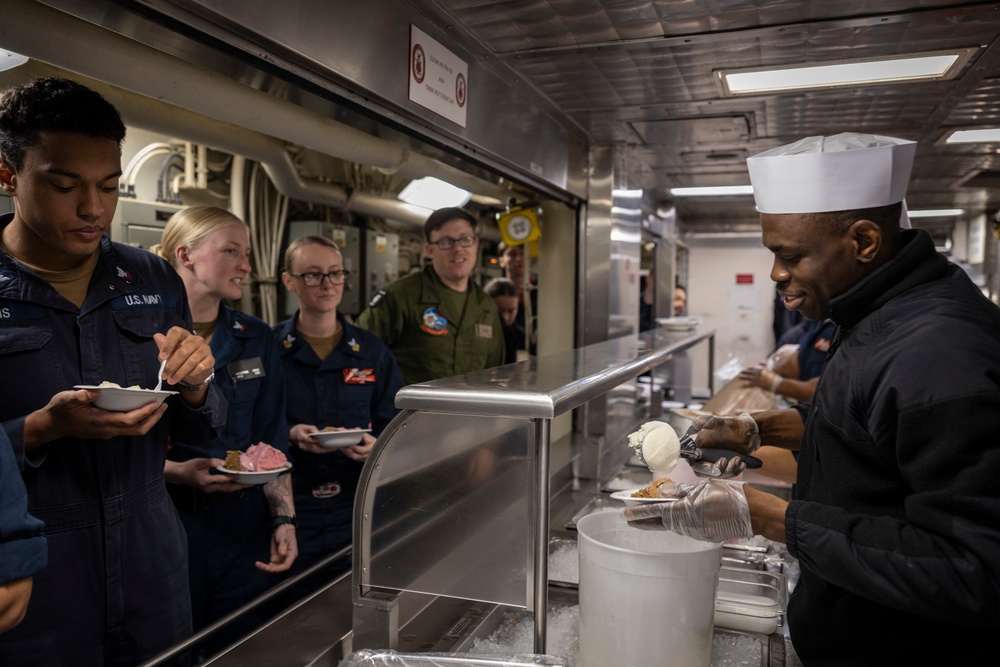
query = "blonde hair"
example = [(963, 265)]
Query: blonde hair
[(298, 243), (189, 226)]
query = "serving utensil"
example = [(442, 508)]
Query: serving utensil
[(706, 457), (159, 376)]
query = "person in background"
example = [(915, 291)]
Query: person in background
[(438, 322), (895, 522), (796, 379), (646, 295), (23, 548), (513, 261), (80, 309), (784, 320), (504, 293), (238, 535), (338, 376), (680, 301)]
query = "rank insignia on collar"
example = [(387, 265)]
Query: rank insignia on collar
[(239, 326), (123, 274), (353, 344), (287, 343)]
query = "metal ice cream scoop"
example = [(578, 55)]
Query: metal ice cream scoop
[(691, 451)]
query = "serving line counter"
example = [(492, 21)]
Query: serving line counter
[(454, 500), (453, 511)]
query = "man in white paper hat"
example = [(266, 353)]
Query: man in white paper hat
[(895, 522)]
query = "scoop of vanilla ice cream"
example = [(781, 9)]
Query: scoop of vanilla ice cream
[(635, 439), (661, 448)]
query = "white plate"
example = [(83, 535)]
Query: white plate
[(678, 323), (255, 477), (121, 399), (332, 439), (626, 497)]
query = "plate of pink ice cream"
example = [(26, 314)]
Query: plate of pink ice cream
[(259, 464)]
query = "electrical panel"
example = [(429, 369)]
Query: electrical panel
[(381, 262), (140, 223), (348, 239)]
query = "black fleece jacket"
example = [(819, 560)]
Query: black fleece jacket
[(896, 525)]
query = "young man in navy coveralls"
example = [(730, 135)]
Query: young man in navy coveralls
[(77, 309)]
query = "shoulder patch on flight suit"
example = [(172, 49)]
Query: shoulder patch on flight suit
[(377, 299)]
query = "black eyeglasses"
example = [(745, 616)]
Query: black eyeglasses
[(447, 243), (315, 278)]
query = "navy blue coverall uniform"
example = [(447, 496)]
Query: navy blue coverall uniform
[(23, 550), (228, 532), (354, 387), (115, 589)]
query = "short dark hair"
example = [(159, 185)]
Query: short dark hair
[(838, 222), (442, 216), (53, 105), (501, 287)]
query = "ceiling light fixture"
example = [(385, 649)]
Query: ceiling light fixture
[(10, 60), (913, 67), (434, 193), (974, 136), (712, 191), (936, 213)]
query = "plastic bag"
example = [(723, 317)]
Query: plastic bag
[(729, 370), (387, 658)]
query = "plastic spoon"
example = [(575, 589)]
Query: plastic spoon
[(159, 376)]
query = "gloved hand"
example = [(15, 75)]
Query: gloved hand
[(721, 468), (737, 434), (760, 376), (709, 510)]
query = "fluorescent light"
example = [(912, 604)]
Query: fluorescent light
[(936, 213), (712, 190), (627, 194), (10, 60), (434, 193), (842, 73), (972, 136)]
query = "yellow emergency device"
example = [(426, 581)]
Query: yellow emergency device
[(520, 226)]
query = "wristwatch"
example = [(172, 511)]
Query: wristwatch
[(281, 520), (196, 387)]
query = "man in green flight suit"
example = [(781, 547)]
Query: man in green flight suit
[(438, 322)]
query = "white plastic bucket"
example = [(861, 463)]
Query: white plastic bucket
[(646, 597)]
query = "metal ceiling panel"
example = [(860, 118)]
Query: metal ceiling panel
[(642, 73)]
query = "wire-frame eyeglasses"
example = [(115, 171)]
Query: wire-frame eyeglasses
[(315, 278), (447, 243)]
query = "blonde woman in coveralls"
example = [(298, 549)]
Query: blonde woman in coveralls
[(337, 375), (239, 536)]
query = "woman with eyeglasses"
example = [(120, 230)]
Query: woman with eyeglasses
[(338, 377), (238, 535)]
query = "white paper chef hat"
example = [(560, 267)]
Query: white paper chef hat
[(843, 172)]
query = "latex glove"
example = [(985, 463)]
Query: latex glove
[(711, 511), (738, 434), (760, 376), (722, 468)]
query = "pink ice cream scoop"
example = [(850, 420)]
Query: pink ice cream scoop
[(262, 457)]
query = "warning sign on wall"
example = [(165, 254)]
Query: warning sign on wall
[(439, 80)]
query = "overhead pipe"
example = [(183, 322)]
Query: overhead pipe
[(274, 155), (160, 76)]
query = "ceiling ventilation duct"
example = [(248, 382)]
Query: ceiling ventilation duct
[(206, 107)]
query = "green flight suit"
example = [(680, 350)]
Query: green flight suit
[(413, 317)]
